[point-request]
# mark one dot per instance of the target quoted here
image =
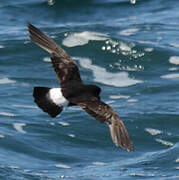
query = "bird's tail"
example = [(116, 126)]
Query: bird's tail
[(44, 41), (43, 100)]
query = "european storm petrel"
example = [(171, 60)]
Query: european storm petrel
[(74, 92)]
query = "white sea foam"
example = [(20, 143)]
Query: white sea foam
[(173, 69), (14, 167), (166, 143), (153, 132), (132, 100), (133, 1), (174, 45), (177, 160), (26, 42), (82, 38), (7, 114), (148, 49), (71, 135), (2, 136), (124, 47), (1, 46), (128, 32), (99, 163), (63, 123), (62, 166), (118, 97), (46, 59), (171, 76), (174, 60), (120, 79), (6, 81), (19, 127), (25, 106)]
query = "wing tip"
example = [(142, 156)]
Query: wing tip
[(120, 135), (129, 147)]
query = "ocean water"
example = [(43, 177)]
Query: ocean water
[(130, 50)]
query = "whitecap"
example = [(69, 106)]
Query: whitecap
[(25, 106), (174, 60), (26, 42), (63, 123), (19, 127), (6, 81), (133, 1), (118, 97), (1, 47), (62, 166), (71, 135), (173, 69), (27, 170), (2, 136), (46, 59), (174, 45), (148, 49), (82, 38), (124, 47), (153, 132), (166, 143), (99, 163), (51, 2), (128, 32), (52, 123), (7, 114), (132, 100), (13, 167), (177, 160), (171, 76), (120, 79)]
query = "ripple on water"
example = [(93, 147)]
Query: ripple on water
[(129, 32)]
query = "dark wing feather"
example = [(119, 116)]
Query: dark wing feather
[(65, 68), (46, 42), (67, 71), (104, 113)]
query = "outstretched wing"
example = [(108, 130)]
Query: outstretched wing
[(65, 68), (104, 113)]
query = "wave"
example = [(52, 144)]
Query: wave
[(6, 80), (100, 74), (80, 39)]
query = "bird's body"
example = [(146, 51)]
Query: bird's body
[(74, 92)]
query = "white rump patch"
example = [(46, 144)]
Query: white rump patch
[(57, 97)]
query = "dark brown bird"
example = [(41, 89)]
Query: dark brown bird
[(74, 92)]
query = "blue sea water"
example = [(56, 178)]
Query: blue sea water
[(130, 50)]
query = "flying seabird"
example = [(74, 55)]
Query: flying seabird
[(74, 92)]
